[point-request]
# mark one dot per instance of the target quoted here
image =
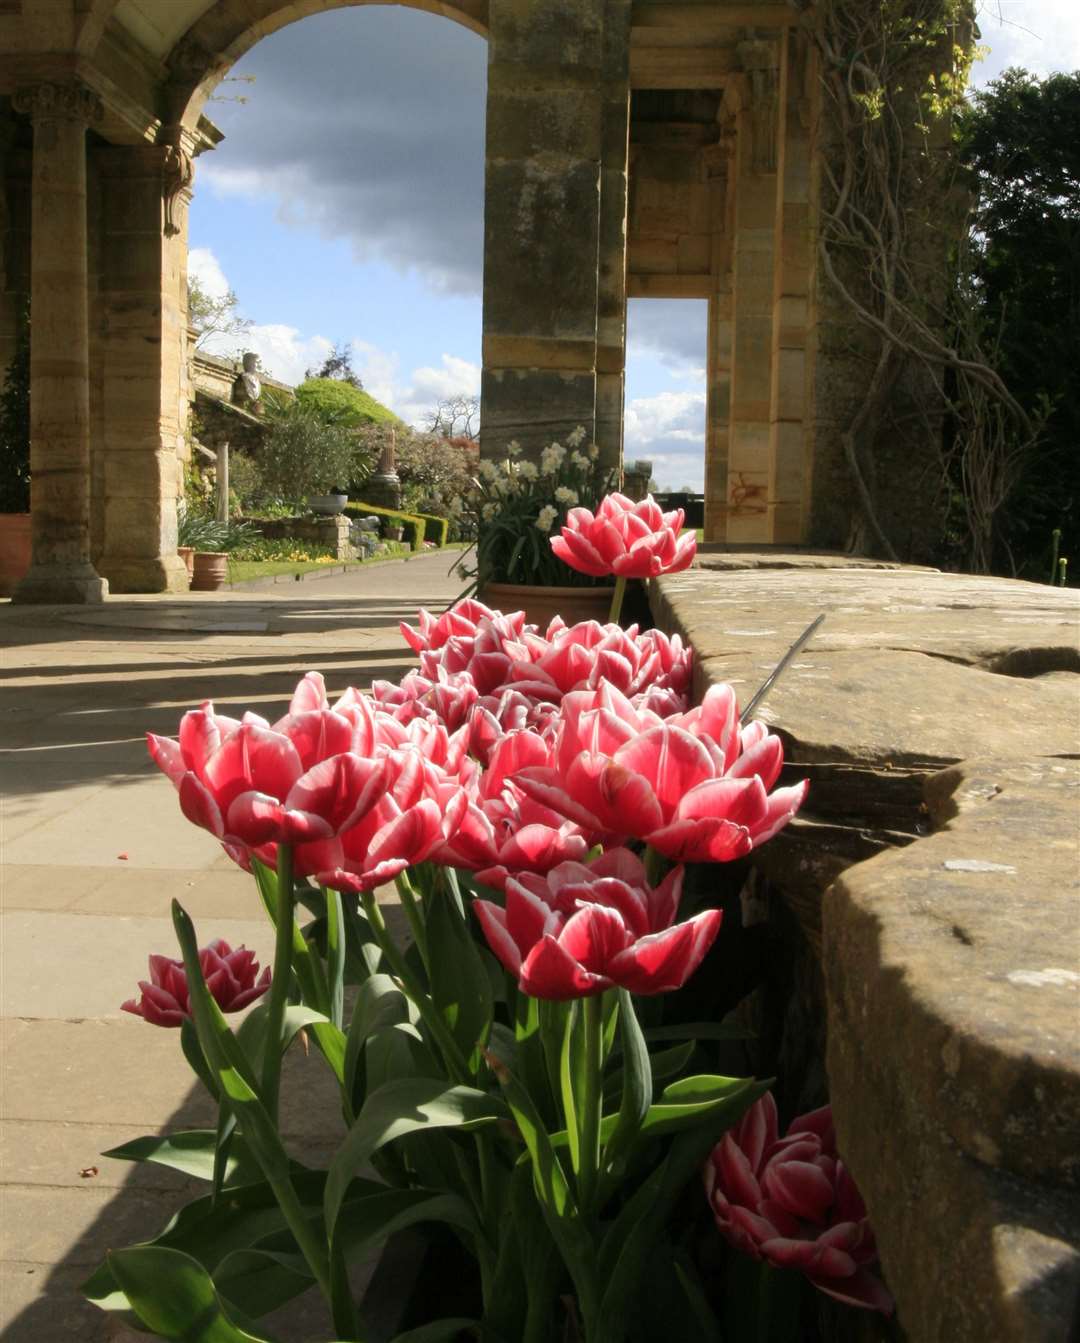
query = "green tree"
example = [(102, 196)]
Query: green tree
[(338, 402), (1020, 141), (210, 316), (338, 366)]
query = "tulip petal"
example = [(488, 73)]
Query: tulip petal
[(551, 972), (198, 805), (664, 961)]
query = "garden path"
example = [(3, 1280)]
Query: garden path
[(93, 849)]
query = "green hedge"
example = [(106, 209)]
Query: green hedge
[(342, 403), (414, 524), (438, 529)]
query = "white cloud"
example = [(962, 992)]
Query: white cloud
[(1040, 35), (669, 430), (204, 266)]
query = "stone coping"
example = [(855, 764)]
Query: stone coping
[(936, 872)]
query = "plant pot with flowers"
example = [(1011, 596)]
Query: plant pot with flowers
[(516, 506)]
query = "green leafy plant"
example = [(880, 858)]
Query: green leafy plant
[(304, 454)]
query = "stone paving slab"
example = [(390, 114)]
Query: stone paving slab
[(77, 920)]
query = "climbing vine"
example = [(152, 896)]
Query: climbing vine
[(893, 204)]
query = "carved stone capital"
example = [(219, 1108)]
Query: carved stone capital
[(52, 100), (178, 174), (760, 59)]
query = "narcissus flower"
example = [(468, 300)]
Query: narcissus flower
[(695, 786), (231, 977), (792, 1202), (625, 539), (582, 929)]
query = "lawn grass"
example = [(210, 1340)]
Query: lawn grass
[(243, 571)]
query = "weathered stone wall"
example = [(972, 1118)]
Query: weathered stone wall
[(924, 905)]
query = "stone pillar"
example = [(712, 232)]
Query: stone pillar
[(15, 169), (720, 168), (143, 308), (545, 131), (788, 466), (60, 568), (612, 240), (754, 99)]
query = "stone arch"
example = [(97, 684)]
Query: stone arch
[(217, 40)]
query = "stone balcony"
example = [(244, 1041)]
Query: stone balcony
[(934, 877)]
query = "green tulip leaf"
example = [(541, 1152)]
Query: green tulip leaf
[(258, 1281), (460, 987), (406, 1105), (174, 1296), (191, 1153), (637, 1087), (438, 1331)]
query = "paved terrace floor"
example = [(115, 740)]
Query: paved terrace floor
[(93, 850)]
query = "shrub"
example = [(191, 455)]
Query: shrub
[(415, 526), (337, 402), (302, 454)]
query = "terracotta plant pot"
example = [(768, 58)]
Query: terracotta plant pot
[(187, 554), (210, 571), (14, 550), (541, 604)]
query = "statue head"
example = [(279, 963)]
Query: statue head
[(251, 362)]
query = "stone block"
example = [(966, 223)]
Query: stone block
[(535, 406)]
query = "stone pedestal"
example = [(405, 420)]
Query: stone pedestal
[(60, 569), (332, 532), (383, 489)]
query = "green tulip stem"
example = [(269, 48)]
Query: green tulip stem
[(412, 912), (429, 1013), (616, 601), (592, 1105), (279, 985)]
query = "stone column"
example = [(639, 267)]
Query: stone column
[(755, 97), (545, 123), (720, 167), (612, 238), (60, 569), (788, 465), (143, 308)]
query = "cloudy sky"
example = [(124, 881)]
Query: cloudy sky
[(345, 205)]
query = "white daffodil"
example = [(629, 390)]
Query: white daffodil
[(545, 518), (566, 496)]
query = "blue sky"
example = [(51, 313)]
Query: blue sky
[(346, 205)]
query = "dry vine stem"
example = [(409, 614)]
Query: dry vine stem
[(892, 72)]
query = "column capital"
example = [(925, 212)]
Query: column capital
[(59, 100), (760, 59)]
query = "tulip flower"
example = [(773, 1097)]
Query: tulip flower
[(230, 976), (463, 620), (502, 831), (695, 787), (583, 929), (252, 785), (625, 540), (792, 1202)]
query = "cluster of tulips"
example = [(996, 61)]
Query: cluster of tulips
[(534, 796)]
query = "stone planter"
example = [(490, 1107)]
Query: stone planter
[(187, 554), (327, 504), (14, 550), (211, 569), (542, 604)]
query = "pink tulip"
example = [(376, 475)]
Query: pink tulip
[(463, 620), (582, 929), (625, 539), (503, 831), (230, 976), (301, 782), (422, 811), (792, 1202), (695, 787)]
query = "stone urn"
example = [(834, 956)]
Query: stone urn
[(187, 554), (211, 569), (327, 504)]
